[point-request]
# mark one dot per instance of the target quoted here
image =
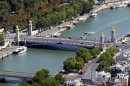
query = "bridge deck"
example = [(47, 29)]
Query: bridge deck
[(17, 74)]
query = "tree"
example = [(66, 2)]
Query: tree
[(69, 65), (95, 51), (84, 53), (41, 75), (36, 84), (79, 59), (103, 66), (24, 84), (59, 77), (50, 81), (78, 66), (2, 41)]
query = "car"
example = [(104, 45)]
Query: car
[(59, 43), (117, 46), (70, 38), (82, 43)]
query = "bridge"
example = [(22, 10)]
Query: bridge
[(60, 43), (17, 74), (36, 41)]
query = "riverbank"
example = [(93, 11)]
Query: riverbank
[(7, 51), (107, 5)]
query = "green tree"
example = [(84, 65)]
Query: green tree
[(69, 65), (78, 66), (95, 51), (50, 81), (84, 53), (103, 66), (36, 84), (2, 41), (24, 84), (59, 77), (79, 59), (41, 75)]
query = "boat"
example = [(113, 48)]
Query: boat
[(74, 22), (93, 14), (89, 33), (56, 34), (69, 26), (121, 5), (82, 19), (20, 50), (118, 6)]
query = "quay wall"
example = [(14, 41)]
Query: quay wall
[(7, 51)]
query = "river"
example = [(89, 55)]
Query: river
[(36, 59)]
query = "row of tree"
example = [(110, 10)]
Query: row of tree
[(2, 41), (107, 59), (42, 78), (82, 56), (43, 13)]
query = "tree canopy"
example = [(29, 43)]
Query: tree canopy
[(107, 59), (43, 13), (84, 53), (59, 77), (42, 78), (41, 75), (2, 41)]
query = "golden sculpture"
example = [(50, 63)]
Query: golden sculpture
[(30, 22), (113, 28), (17, 27), (101, 34)]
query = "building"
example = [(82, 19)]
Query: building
[(96, 78)]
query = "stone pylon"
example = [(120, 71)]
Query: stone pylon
[(17, 38), (30, 28), (102, 41), (113, 38)]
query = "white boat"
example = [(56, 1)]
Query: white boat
[(118, 6), (74, 22), (82, 19), (20, 50), (89, 33), (56, 34), (121, 5), (93, 14)]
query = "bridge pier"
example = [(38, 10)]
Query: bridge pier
[(2, 79), (113, 38), (102, 46), (17, 39)]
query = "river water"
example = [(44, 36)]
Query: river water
[(36, 59)]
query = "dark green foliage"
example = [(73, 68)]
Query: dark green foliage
[(107, 59), (43, 13), (50, 81), (84, 53), (78, 65), (36, 84), (41, 75), (69, 64), (24, 84), (79, 59), (2, 41), (95, 51), (59, 77)]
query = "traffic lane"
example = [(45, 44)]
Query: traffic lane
[(91, 65)]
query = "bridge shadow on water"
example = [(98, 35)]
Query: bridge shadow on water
[(12, 80), (58, 46)]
